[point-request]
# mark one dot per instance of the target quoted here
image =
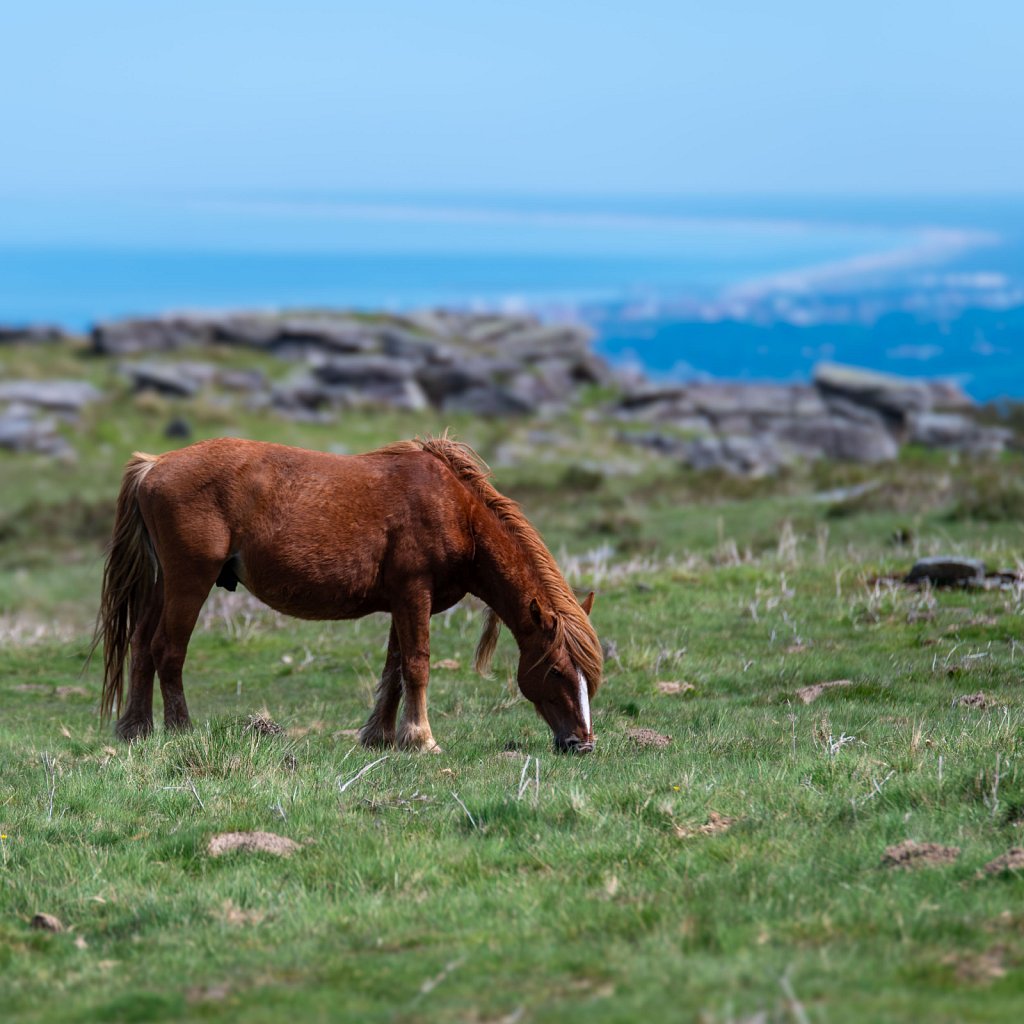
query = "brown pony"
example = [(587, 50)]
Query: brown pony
[(408, 529)]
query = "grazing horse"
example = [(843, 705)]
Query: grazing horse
[(408, 529)]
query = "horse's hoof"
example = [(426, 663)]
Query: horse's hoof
[(133, 729), (374, 739), (420, 744)]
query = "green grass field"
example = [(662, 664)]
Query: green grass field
[(734, 873)]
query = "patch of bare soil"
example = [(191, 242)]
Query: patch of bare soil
[(809, 694), (674, 686), (47, 923), (71, 691), (208, 993), (910, 854), (232, 914), (972, 700), (648, 738), (715, 824), (1012, 860), (978, 968), (449, 664), (251, 842), (262, 724)]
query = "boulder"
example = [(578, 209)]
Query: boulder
[(245, 381), (956, 431), (836, 438), (399, 343), (356, 371), (894, 396), (738, 456), (307, 338), (176, 380), (22, 432), (488, 400), (130, 337), (249, 331), (352, 383), (64, 396)]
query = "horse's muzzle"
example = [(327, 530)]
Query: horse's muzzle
[(573, 745)]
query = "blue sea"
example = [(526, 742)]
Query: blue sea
[(744, 288)]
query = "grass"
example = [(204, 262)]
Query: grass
[(732, 875)]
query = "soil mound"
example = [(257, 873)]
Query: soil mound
[(251, 842), (910, 854), (648, 738)]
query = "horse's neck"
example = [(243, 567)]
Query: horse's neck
[(506, 579)]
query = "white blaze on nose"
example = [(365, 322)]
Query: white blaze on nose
[(584, 700)]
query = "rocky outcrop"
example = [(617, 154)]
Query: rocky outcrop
[(457, 362), (847, 413), (497, 366), (20, 334), (31, 412)]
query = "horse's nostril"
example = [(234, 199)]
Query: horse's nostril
[(585, 748)]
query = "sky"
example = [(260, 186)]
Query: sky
[(877, 96)]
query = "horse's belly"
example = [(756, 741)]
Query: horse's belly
[(335, 588)]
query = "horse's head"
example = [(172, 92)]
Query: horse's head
[(558, 687)]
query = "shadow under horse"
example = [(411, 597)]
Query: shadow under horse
[(408, 529)]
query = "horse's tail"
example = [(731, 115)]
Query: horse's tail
[(129, 578)]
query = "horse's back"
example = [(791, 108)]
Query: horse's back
[(307, 529)]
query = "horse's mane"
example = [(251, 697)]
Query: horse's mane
[(572, 625)]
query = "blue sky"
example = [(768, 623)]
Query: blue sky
[(537, 95)]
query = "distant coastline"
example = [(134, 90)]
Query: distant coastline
[(746, 289)]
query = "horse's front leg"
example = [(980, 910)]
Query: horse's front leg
[(412, 622), (379, 730)]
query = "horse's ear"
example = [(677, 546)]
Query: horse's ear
[(542, 619), (587, 603)]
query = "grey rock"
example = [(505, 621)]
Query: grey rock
[(129, 337), (34, 333), (359, 370), (895, 396), (487, 400), (738, 456), (533, 342), (441, 381), (179, 380), (484, 329), (956, 431), (402, 344), (66, 396), (249, 331), (246, 381), (836, 438), (947, 571), (948, 396), (305, 338), (23, 432), (721, 400), (311, 392), (847, 409)]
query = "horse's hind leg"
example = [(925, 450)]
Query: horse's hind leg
[(379, 730), (136, 718), (183, 600)]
